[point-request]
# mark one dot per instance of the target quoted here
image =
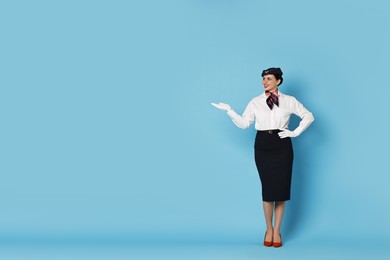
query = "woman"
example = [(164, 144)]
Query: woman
[(273, 148)]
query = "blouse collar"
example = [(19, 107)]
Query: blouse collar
[(265, 95)]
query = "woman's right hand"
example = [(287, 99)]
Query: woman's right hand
[(222, 106)]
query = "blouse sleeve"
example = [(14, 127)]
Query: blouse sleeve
[(306, 116), (247, 118)]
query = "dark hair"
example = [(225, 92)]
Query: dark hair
[(277, 76), (277, 72)]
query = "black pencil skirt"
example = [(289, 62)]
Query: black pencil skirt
[(274, 160)]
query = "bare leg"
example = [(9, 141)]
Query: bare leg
[(268, 213), (279, 210)]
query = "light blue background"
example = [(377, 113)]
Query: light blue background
[(108, 137)]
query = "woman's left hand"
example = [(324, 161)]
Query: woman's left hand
[(286, 133)]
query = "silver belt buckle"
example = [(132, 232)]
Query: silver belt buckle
[(270, 131)]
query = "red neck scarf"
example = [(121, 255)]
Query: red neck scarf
[(272, 99)]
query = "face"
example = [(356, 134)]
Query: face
[(270, 83)]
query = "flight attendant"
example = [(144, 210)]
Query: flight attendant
[(274, 156)]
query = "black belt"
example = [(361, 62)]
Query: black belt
[(271, 131)]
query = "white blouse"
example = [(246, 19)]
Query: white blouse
[(277, 118)]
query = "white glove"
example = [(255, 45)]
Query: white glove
[(222, 106), (286, 133)]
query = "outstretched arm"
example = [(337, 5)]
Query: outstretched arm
[(243, 121)]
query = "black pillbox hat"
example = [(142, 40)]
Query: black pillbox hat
[(274, 71)]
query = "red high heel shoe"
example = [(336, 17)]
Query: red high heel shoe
[(267, 243), (278, 244)]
